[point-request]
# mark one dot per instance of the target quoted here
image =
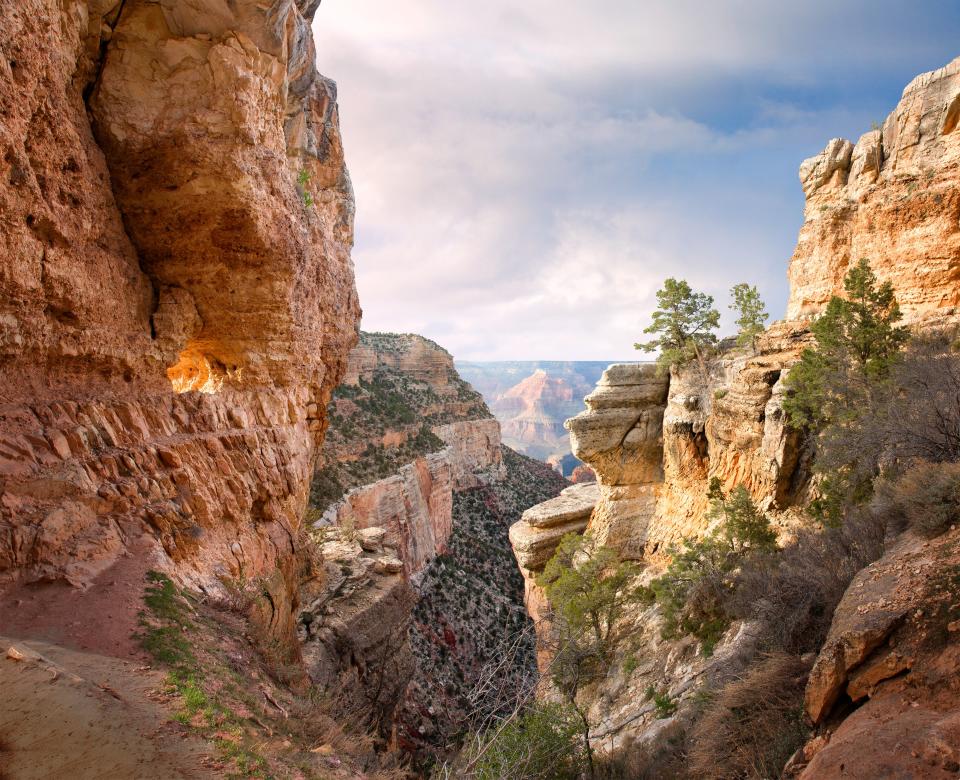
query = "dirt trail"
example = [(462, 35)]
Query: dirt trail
[(101, 619), (76, 715)]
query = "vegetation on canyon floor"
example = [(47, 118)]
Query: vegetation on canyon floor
[(470, 619)]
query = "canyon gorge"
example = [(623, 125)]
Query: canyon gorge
[(241, 538)]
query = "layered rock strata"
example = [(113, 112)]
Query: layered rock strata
[(892, 198), (539, 530), (414, 505), (619, 437), (178, 298)]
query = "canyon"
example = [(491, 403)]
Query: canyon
[(233, 523), (532, 399)]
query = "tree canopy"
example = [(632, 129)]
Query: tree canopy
[(683, 324), (751, 311)]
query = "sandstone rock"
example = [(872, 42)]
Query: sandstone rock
[(533, 546), (890, 199), (573, 503), (620, 434), (536, 535), (888, 649), (473, 451), (841, 654), (371, 539), (583, 473), (389, 565), (830, 167), (156, 242)]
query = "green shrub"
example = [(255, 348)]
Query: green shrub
[(587, 587), (696, 588), (664, 705)]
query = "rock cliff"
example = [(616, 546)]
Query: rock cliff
[(656, 443), (178, 298), (406, 432), (892, 198), (410, 511)]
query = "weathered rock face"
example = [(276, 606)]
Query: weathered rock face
[(620, 437), (729, 424), (891, 198), (413, 507), (354, 623), (538, 532), (893, 648), (419, 358), (157, 245)]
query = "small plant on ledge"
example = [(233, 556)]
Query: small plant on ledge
[(303, 179)]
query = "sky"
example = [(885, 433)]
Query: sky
[(528, 173)]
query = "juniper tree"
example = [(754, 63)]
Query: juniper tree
[(837, 385), (684, 324), (751, 310), (857, 342)]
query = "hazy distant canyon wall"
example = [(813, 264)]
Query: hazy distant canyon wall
[(532, 399)]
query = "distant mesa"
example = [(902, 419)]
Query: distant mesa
[(532, 399)]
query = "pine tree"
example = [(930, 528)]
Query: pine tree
[(684, 323), (753, 313), (858, 341)]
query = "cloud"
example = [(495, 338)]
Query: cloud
[(527, 174)]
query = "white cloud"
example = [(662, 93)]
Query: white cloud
[(527, 174)]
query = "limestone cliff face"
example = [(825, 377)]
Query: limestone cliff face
[(174, 316), (892, 198)]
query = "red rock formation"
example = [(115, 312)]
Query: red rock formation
[(532, 414), (893, 649), (174, 315), (583, 473)]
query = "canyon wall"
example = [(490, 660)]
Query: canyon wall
[(178, 297), (408, 437), (656, 442), (415, 505), (405, 416), (892, 198)]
